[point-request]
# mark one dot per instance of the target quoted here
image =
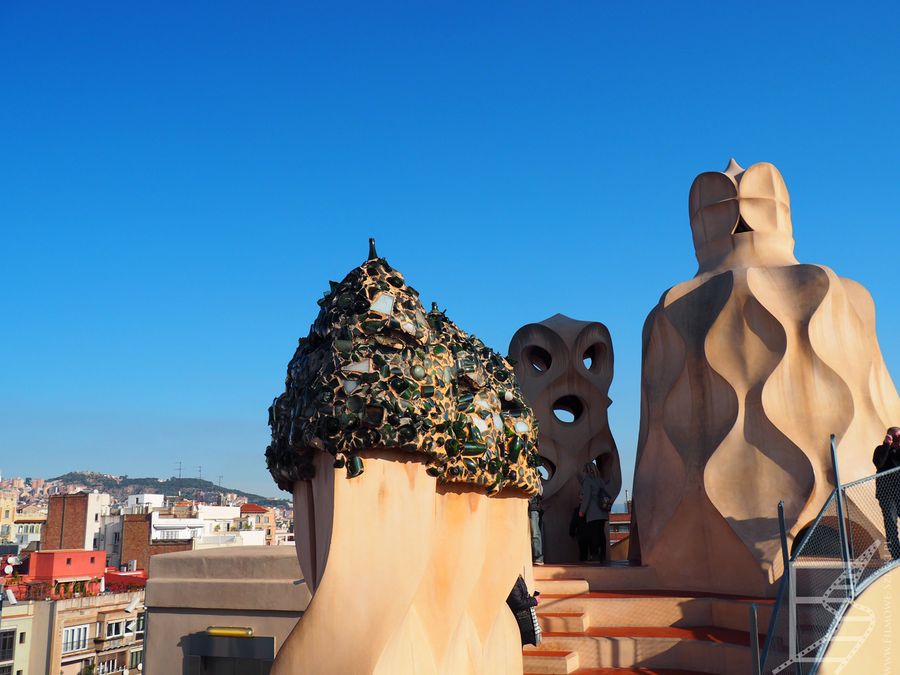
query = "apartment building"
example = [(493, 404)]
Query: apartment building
[(24, 638), (27, 531), (74, 520), (8, 501), (256, 517), (61, 619)]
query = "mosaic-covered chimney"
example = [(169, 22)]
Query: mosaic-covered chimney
[(377, 372)]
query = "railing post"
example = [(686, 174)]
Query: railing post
[(842, 525), (785, 558), (793, 635), (754, 640)]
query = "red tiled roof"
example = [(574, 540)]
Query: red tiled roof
[(253, 508)]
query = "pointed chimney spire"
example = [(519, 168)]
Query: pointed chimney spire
[(733, 168), (373, 254)]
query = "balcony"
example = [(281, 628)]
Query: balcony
[(110, 644)]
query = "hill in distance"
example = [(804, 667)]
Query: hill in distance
[(189, 488)]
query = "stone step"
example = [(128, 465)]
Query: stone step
[(649, 609), (561, 586), (697, 648), (610, 577), (540, 661), (564, 622), (637, 671)]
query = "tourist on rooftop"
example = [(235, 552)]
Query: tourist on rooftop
[(887, 489), (535, 518), (594, 508)]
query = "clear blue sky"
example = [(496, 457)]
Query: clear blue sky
[(179, 181)]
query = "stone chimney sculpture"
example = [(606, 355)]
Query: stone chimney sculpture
[(747, 369), (565, 367), (410, 454)]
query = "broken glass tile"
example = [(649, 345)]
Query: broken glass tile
[(363, 366)]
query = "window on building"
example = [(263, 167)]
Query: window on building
[(92, 560), (68, 561), (6, 670), (115, 537), (75, 638), (7, 645), (136, 658), (107, 666), (114, 629), (139, 629), (22, 638), (129, 626)]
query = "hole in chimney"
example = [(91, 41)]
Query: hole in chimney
[(539, 358)]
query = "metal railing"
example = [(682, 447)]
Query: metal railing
[(852, 542)]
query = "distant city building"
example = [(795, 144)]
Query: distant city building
[(8, 501), (69, 615), (73, 520), (620, 533), (141, 539), (27, 531), (256, 517), (146, 502)]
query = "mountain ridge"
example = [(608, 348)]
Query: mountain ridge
[(121, 486)]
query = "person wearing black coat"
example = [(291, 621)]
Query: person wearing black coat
[(536, 520), (887, 488)]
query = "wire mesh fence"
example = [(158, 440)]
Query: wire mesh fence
[(872, 506), (815, 592), (852, 542)]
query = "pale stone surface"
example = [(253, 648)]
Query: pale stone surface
[(258, 587), (561, 361), (747, 369), (410, 577)]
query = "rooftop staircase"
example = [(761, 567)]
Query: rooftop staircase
[(601, 620)]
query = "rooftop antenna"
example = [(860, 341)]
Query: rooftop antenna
[(200, 472), (179, 470)]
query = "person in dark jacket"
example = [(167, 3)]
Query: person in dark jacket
[(887, 488), (535, 518), (522, 603), (594, 508)]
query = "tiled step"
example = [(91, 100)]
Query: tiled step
[(700, 648), (540, 661), (563, 622)]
